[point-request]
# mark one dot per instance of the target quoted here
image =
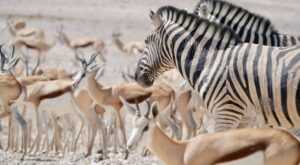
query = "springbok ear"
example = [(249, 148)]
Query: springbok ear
[(156, 19), (154, 109), (101, 71), (128, 107)]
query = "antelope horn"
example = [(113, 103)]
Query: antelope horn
[(77, 57), (129, 108), (148, 108), (92, 59), (101, 72)]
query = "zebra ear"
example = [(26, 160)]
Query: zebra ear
[(204, 9), (156, 19)]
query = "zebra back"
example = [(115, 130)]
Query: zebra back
[(181, 17), (236, 84), (249, 26)]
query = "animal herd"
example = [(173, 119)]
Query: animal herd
[(211, 85)]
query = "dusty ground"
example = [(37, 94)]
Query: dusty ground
[(103, 17)]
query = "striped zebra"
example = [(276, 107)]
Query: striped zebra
[(249, 26), (240, 84)]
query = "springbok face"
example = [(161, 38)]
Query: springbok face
[(141, 123), (87, 66), (141, 126), (155, 59)]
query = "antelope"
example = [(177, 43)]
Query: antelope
[(183, 101), (131, 92), (108, 97), (54, 74), (11, 90), (85, 104), (43, 90), (278, 145), (189, 125), (130, 48), (83, 42), (63, 124), (30, 38)]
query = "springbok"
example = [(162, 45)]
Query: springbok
[(84, 42), (130, 48), (278, 146), (30, 38), (85, 104), (131, 92), (183, 104), (43, 90), (185, 109), (108, 97), (54, 73), (11, 89)]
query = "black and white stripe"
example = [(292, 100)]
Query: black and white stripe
[(240, 84), (249, 26)]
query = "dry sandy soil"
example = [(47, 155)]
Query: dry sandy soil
[(103, 17)]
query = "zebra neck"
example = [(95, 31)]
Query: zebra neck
[(191, 50)]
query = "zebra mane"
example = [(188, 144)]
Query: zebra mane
[(265, 20), (170, 13)]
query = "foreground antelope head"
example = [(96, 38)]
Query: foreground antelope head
[(141, 122)]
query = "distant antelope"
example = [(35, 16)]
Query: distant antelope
[(11, 89), (54, 73), (84, 42), (30, 38), (129, 48), (51, 89), (85, 104), (278, 146)]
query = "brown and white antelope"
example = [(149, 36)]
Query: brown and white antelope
[(129, 48), (278, 146), (96, 44), (43, 90), (25, 38)]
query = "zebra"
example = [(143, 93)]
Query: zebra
[(249, 26), (239, 84)]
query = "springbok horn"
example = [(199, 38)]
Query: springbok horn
[(148, 108), (128, 107)]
